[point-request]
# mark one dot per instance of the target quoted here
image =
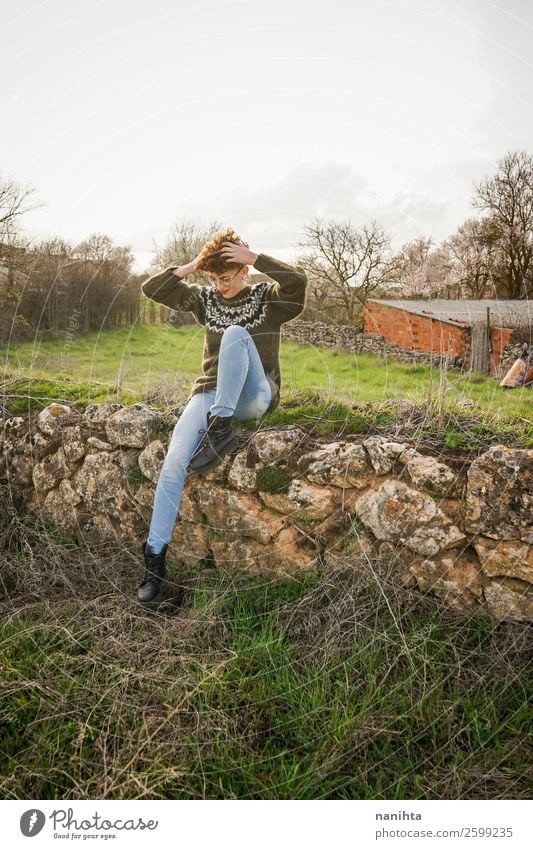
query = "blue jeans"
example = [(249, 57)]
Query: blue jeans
[(242, 391)]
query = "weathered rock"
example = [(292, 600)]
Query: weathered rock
[(433, 538), (458, 581), (219, 472), (99, 444), (151, 459), (272, 445), (189, 542), (383, 453), (427, 472), (304, 501), (21, 470), (399, 514), (60, 511), (241, 476), (73, 443), (340, 464), (292, 551), (96, 415), (331, 527), (48, 473), (133, 426), (97, 528), (144, 494), (287, 554), (232, 512), (510, 558), (454, 508), (99, 481), (16, 461), (508, 598), (53, 418), (241, 553), (394, 510), (68, 493), (23, 457), (126, 460), (14, 427), (499, 496), (43, 445), (129, 523), (246, 469), (189, 506)]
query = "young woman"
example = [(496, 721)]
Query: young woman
[(241, 373)]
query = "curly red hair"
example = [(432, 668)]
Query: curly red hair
[(210, 259)]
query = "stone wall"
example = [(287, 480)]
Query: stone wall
[(344, 338), (509, 356), (287, 501)]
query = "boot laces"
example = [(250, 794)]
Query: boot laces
[(154, 567), (214, 427)]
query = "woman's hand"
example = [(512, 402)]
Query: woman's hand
[(183, 270), (237, 254)]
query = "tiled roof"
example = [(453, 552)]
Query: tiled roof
[(466, 313)]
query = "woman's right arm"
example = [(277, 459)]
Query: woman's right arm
[(169, 288)]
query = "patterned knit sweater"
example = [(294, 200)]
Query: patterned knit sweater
[(261, 309)]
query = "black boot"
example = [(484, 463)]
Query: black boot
[(218, 440), (151, 587)]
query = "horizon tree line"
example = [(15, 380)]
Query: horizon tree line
[(43, 283)]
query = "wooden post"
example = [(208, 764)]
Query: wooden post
[(489, 345)]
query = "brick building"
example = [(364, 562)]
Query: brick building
[(474, 331)]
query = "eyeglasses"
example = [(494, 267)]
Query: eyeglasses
[(223, 281)]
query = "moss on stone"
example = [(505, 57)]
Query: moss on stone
[(134, 474), (272, 479)]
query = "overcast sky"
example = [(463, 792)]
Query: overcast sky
[(129, 115)]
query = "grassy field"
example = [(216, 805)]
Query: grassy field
[(337, 684), (158, 364)]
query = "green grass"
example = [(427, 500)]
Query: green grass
[(303, 688), (126, 363), (121, 364)]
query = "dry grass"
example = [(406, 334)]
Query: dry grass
[(338, 684)]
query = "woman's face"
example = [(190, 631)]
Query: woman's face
[(229, 283)]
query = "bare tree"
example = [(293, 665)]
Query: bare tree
[(184, 242), (346, 264), (14, 203), (103, 276), (474, 257), (100, 248), (45, 301), (58, 289), (508, 198)]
